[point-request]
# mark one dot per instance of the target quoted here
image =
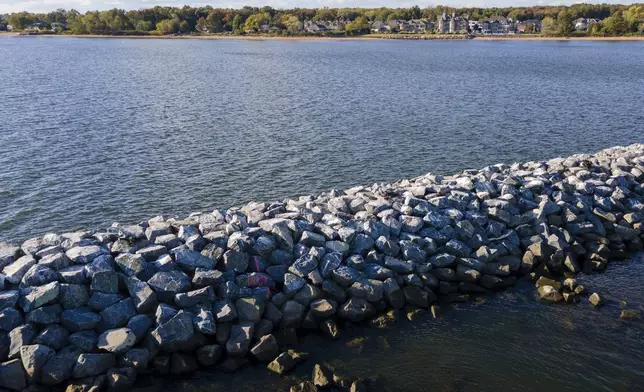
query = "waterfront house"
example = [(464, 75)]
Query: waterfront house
[(497, 25), (528, 26), (451, 24), (583, 24), (313, 27), (395, 24), (474, 26), (38, 26), (380, 27)]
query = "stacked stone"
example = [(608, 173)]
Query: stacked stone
[(97, 308)]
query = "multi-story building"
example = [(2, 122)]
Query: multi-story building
[(451, 24)]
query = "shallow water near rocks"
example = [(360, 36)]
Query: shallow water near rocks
[(503, 342)]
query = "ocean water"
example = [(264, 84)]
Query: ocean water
[(94, 131)]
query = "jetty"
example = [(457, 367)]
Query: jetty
[(222, 289)]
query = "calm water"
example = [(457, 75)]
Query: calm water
[(509, 342), (100, 130), (93, 131)]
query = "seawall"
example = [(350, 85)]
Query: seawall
[(222, 289)]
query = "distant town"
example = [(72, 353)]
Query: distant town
[(579, 19)]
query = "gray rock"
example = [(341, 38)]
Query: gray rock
[(15, 271), (85, 254), (105, 282), (312, 239), (236, 261), (204, 320), (33, 359), (190, 260), (38, 275), (10, 318), (595, 300), (59, 368), (393, 294), (167, 284), (203, 296), (249, 309), (225, 311), (356, 310), (292, 314), (45, 315), (145, 300), (79, 319), (119, 379), (139, 325), (399, 266), (117, 315), (12, 375), (323, 308), (174, 334), (152, 253), (304, 265), (131, 264), (74, 274), (334, 291), (136, 358), (73, 296), (34, 297), (8, 254), (116, 341), (53, 336), (88, 365), (266, 349), (101, 301), (204, 277), (9, 298), (84, 340), (549, 294), (20, 336), (292, 283), (240, 337)]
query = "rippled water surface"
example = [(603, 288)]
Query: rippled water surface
[(506, 342), (100, 130)]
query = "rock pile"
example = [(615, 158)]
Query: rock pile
[(96, 308)]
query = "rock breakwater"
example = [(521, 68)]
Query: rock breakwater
[(95, 309)]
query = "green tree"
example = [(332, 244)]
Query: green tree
[(325, 14), (291, 22), (615, 24), (144, 26), (414, 12), (167, 26), (635, 17), (202, 25), (254, 22), (564, 26), (214, 22), (548, 26), (238, 20), (358, 26), (21, 20)]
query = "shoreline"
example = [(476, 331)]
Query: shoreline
[(338, 38), (224, 289)]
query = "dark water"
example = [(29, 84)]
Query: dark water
[(100, 130), (505, 342)]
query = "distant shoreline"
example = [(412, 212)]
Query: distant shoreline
[(337, 38)]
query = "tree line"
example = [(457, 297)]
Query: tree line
[(556, 20)]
